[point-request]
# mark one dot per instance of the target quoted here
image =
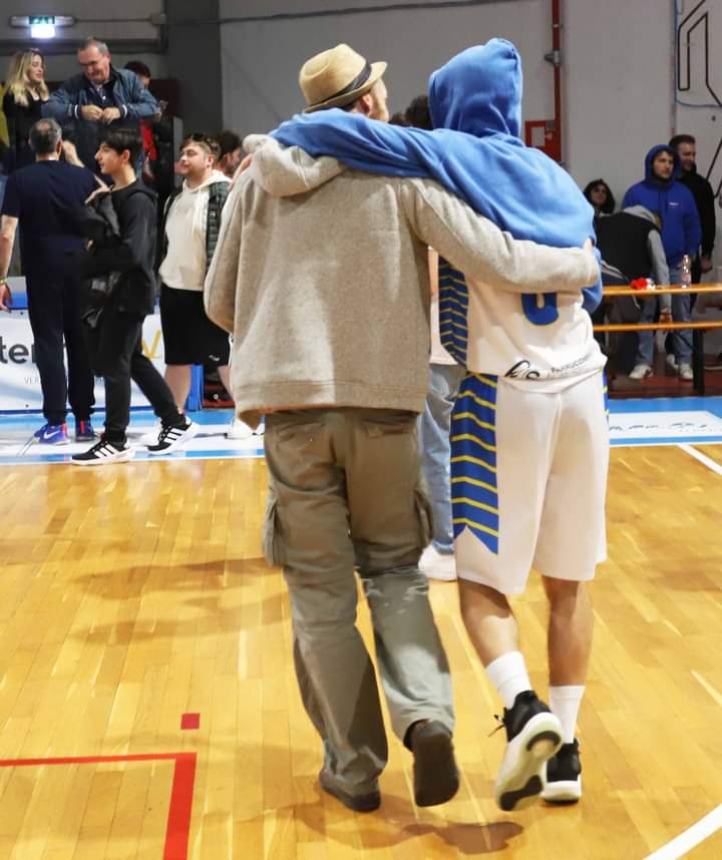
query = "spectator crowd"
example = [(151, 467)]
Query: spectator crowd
[(89, 254), (57, 162)]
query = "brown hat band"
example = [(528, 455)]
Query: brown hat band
[(355, 84)]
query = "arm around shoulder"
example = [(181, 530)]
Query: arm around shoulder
[(482, 251)]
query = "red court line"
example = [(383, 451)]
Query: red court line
[(180, 808), (179, 811), (93, 759), (190, 721)]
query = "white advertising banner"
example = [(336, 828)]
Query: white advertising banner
[(19, 377)]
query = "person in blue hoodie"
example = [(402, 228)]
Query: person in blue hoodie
[(529, 433), (661, 192)]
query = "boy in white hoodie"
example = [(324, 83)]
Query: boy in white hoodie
[(190, 233)]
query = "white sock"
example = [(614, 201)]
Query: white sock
[(564, 703), (509, 675)]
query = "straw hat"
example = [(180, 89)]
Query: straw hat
[(337, 77)]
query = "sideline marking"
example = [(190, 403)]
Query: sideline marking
[(177, 832), (691, 837), (703, 458)]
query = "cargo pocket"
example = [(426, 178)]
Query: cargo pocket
[(271, 539), (389, 422), (424, 516)]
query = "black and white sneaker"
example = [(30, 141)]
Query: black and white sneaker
[(563, 783), (103, 452), (533, 736), (172, 438)]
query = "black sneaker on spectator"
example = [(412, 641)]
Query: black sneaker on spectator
[(563, 783), (172, 438), (533, 736), (102, 453)]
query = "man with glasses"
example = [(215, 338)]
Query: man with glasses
[(98, 97)]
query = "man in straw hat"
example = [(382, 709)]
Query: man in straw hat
[(342, 78), (326, 294)]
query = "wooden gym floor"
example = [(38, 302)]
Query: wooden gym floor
[(148, 707)]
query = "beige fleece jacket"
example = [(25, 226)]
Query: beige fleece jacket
[(326, 291)]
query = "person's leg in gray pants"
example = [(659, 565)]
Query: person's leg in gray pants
[(344, 494)]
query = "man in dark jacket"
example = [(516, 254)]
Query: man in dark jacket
[(661, 193), (101, 96), (122, 256), (686, 148), (631, 248), (46, 200)]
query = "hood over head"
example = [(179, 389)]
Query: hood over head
[(649, 158), (479, 91)]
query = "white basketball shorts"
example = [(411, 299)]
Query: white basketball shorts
[(529, 479)]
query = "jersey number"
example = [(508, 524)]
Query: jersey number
[(544, 314)]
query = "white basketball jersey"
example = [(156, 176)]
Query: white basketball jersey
[(540, 342)]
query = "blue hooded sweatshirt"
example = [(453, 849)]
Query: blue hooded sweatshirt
[(674, 203), (475, 150)]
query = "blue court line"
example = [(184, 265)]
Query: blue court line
[(143, 419), (665, 440), (176, 457), (35, 418), (216, 416), (667, 404)]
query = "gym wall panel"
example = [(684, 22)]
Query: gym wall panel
[(261, 59)]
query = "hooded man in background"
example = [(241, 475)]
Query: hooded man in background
[(660, 192)]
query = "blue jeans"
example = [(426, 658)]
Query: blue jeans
[(433, 429), (681, 340)]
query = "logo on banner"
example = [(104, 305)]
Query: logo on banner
[(17, 352)]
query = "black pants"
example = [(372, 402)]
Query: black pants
[(117, 356), (54, 311)]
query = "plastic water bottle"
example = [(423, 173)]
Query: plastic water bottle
[(685, 272)]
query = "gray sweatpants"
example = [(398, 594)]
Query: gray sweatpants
[(345, 493)]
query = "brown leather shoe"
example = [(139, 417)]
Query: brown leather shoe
[(367, 802), (436, 777)]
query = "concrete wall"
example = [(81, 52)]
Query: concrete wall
[(261, 59)]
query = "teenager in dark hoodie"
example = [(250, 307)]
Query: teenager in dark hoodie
[(661, 192), (122, 253)]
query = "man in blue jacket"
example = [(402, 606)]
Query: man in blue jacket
[(101, 96), (660, 192)]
